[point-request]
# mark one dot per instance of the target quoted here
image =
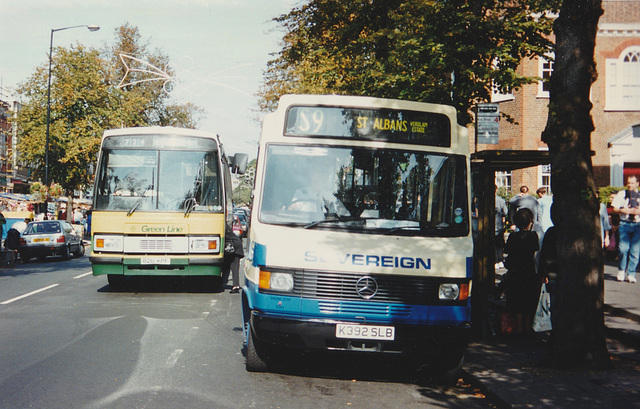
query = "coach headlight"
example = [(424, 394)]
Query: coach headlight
[(204, 244), (109, 243), (276, 281), (452, 291)]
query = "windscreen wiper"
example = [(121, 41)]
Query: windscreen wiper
[(337, 219), (139, 201), (190, 203), (439, 226)]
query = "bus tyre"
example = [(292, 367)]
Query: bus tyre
[(445, 370), (115, 280), (254, 363)]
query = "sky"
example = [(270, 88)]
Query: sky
[(218, 49)]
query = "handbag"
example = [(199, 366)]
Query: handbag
[(542, 319)]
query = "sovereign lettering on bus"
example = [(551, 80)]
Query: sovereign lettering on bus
[(369, 260)]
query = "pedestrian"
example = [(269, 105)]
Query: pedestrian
[(605, 225), (233, 252), (522, 286), (545, 202), (549, 270), (627, 205), (89, 222), (13, 239), (3, 221), (611, 250), (501, 214), (524, 199)]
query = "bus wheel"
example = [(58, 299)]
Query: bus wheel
[(255, 363), (215, 283), (445, 370), (115, 280)]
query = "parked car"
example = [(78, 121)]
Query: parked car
[(243, 221), (49, 238), (237, 227)]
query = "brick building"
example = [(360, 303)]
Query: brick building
[(615, 97)]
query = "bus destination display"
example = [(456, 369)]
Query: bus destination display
[(400, 126)]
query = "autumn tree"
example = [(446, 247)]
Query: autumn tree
[(86, 100), (145, 79), (579, 336), (242, 192), (453, 52), (81, 101)]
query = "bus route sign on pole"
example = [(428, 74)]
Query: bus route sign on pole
[(487, 123)]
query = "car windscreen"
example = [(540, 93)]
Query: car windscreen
[(42, 228)]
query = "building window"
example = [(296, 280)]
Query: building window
[(544, 177), (545, 69), (503, 180), (623, 81)]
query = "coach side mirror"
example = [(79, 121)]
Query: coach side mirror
[(238, 163)]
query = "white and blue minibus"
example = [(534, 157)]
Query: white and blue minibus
[(360, 235)]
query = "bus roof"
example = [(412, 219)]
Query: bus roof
[(157, 130), (362, 101)]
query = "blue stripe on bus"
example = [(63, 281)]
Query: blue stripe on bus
[(469, 267), (281, 306), (259, 254)]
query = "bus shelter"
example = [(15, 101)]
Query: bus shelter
[(484, 164)]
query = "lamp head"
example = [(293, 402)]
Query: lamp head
[(93, 27)]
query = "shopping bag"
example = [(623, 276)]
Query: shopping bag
[(542, 319), (507, 323)]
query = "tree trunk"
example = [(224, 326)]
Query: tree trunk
[(579, 332), (70, 207)]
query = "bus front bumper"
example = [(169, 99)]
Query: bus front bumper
[(320, 335), (119, 265)]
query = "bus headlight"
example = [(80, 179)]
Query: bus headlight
[(109, 243), (276, 281), (204, 244), (451, 291)]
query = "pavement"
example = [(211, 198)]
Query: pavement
[(514, 372)]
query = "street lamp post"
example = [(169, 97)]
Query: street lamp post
[(92, 27)]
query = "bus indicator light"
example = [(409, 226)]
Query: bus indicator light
[(265, 279)]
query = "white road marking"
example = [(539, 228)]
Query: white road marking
[(173, 358), (83, 275), (28, 294)]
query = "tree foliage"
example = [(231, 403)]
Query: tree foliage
[(242, 192), (86, 100), (451, 52)]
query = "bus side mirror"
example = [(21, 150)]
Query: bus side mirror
[(238, 163)]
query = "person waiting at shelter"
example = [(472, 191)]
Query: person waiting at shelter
[(545, 202), (501, 214), (522, 285), (627, 205)]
